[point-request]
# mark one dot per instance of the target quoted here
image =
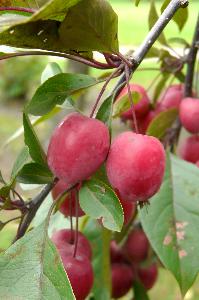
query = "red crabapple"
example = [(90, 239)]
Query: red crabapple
[(189, 114), (58, 189), (171, 98), (64, 242), (136, 246), (116, 253), (135, 166), (144, 122), (142, 107), (197, 163), (148, 276), (189, 149), (122, 279), (78, 146), (80, 274), (129, 208)]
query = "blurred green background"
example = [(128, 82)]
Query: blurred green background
[(19, 77)]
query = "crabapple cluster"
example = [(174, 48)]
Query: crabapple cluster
[(129, 263)]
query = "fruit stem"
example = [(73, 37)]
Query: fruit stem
[(77, 222), (127, 73), (71, 219), (104, 88)]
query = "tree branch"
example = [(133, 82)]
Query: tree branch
[(151, 37)]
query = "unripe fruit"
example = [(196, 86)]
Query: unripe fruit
[(122, 279), (136, 246), (65, 243), (80, 274), (189, 149), (142, 107), (70, 199), (116, 253), (135, 166), (189, 114), (148, 276), (78, 146)]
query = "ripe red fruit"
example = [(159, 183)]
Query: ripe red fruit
[(148, 276), (171, 98), (78, 146), (122, 279), (189, 149), (116, 253), (189, 114), (129, 209), (58, 189), (143, 123), (65, 243), (136, 246), (135, 166), (80, 274), (142, 107), (197, 163)]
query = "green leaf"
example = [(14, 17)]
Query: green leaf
[(31, 140), (171, 222), (91, 25), (20, 162), (162, 122), (137, 2), (99, 238), (51, 70), (139, 291), (1, 178), (152, 18), (98, 200), (55, 91), (105, 111), (34, 173), (124, 104), (180, 17), (31, 269), (179, 41)]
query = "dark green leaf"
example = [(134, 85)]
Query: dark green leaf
[(152, 18), (31, 270), (32, 141), (91, 25), (101, 174), (1, 225), (51, 70), (124, 104), (139, 291), (137, 2), (1, 178), (180, 76), (34, 173), (180, 17), (20, 162), (162, 122), (99, 238), (153, 52), (171, 221), (105, 111), (55, 91), (98, 200)]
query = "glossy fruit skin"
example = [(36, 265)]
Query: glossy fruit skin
[(189, 149), (189, 114), (78, 146), (142, 107), (172, 98), (148, 276), (64, 208), (135, 166), (80, 274), (136, 246), (62, 240), (122, 279)]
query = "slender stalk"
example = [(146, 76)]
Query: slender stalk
[(18, 9), (90, 63), (103, 90), (131, 99), (77, 222), (71, 219)]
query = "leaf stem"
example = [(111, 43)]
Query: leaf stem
[(18, 9)]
